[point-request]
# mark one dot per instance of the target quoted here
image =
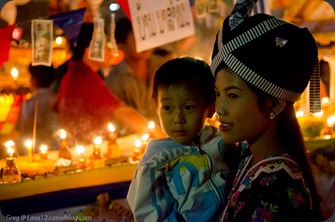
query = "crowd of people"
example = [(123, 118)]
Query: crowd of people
[(254, 167)]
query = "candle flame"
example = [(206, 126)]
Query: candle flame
[(59, 40), (28, 143), (299, 113), (62, 134), (111, 127), (138, 143), (97, 140), (10, 151), (14, 73), (331, 121), (145, 137), (151, 125), (80, 149), (44, 148), (325, 100), (318, 114), (9, 143)]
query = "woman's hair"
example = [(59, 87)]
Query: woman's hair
[(291, 138), (186, 71)]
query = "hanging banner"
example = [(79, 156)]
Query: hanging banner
[(70, 22), (125, 7), (157, 23), (5, 40), (41, 37)]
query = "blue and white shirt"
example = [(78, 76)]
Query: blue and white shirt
[(173, 180)]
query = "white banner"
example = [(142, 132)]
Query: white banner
[(157, 23)]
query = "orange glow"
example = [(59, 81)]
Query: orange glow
[(117, 59)]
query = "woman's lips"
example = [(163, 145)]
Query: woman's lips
[(225, 126)]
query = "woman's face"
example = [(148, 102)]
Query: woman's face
[(237, 109)]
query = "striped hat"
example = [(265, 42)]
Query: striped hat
[(275, 56)]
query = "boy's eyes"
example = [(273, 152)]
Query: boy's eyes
[(189, 107), (166, 107), (186, 107)]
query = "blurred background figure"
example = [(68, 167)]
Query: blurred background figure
[(39, 106), (84, 103)]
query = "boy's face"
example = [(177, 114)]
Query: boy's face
[(182, 112)]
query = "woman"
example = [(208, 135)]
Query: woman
[(262, 65)]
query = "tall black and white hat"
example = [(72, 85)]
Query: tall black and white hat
[(275, 56)]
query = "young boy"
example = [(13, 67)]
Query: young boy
[(182, 177)]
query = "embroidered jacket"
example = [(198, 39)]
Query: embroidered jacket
[(174, 181), (272, 190)]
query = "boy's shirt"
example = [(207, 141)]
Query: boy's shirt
[(174, 180)]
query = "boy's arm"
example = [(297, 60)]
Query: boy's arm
[(147, 195)]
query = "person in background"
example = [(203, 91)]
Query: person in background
[(84, 103), (262, 65), (182, 177), (130, 80), (39, 106)]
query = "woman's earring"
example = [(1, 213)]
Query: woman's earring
[(272, 115)]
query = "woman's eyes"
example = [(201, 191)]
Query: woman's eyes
[(232, 95), (229, 95)]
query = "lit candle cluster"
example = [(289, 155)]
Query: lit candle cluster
[(105, 141)]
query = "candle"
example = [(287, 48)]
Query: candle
[(97, 147), (15, 74), (82, 162), (10, 151), (10, 173), (331, 124), (144, 139), (29, 145), (331, 121), (64, 146), (44, 152), (62, 134), (112, 135), (151, 127), (113, 148), (63, 141), (138, 144), (136, 155), (80, 150)]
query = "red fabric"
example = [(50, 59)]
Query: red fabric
[(5, 39), (125, 7), (84, 102)]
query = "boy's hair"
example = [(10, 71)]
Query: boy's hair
[(193, 73), (123, 27), (43, 75)]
